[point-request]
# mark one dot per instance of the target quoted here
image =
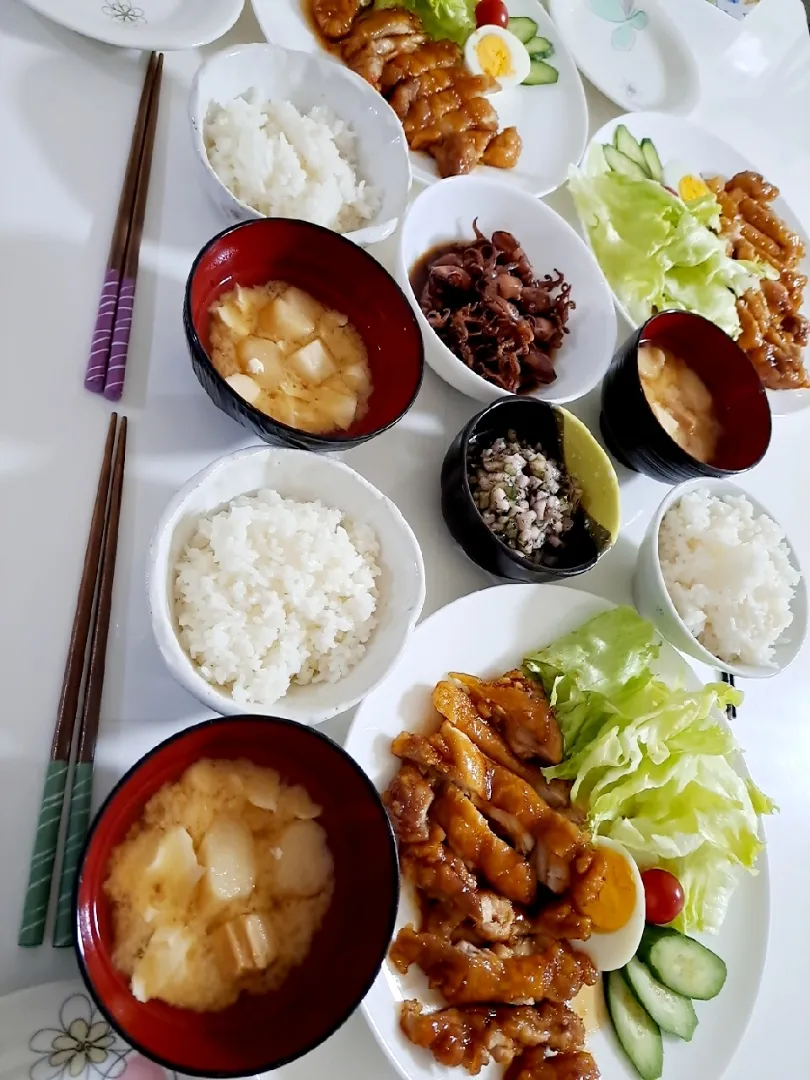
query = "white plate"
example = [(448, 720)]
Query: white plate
[(55, 1032), (486, 634), (552, 120), (632, 51), (679, 140), (144, 24)]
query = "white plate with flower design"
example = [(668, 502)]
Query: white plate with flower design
[(632, 51), (144, 24), (55, 1032)]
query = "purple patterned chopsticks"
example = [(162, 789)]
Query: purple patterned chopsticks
[(106, 366)]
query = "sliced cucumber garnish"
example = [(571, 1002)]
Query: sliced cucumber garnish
[(624, 141), (682, 964), (672, 1012), (541, 74), (524, 29), (654, 166), (621, 163), (638, 1033), (539, 48)]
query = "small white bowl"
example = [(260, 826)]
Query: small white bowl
[(445, 213), (654, 602), (295, 474), (307, 80)]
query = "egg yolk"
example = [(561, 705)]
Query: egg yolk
[(615, 902), (691, 187), (494, 56)]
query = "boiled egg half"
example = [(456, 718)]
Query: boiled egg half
[(617, 912), (491, 50), (686, 183)]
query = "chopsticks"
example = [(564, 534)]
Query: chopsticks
[(728, 678), (92, 611), (106, 367)]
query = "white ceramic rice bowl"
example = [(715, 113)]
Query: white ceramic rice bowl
[(445, 212), (299, 475), (654, 603), (307, 80)]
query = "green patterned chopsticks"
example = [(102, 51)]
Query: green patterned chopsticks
[(99, 563)]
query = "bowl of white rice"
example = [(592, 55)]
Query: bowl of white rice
[(282, 583), (280, 133), (721, 581)]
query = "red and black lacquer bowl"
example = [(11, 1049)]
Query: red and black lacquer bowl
[(258, 1033), (630, 428), (339, 274)]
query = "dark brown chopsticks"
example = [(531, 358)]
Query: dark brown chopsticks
[(93, 606), (727, 677), (106, 367)]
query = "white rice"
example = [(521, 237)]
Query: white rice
[(285, 163), (269, 591), (729, 575)]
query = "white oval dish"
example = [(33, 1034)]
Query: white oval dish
[(680, 140), (144, 24), (633, 52), (307, 80), (552, 120), (654, 602), (485, 634), (300, 475), (445, 212)]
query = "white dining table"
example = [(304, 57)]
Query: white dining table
[(66, 112)]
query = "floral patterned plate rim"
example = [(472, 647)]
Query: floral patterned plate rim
[(144, 24), (56, 1032)]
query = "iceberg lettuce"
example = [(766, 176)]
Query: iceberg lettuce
[(652, 763)]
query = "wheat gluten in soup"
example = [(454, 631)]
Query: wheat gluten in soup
[(220, 888)]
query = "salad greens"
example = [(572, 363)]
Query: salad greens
[(657, 251), (454, 19), (650, 762)]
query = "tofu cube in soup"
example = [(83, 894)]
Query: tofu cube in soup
[(286, 318), (226, 852), (313, 362)]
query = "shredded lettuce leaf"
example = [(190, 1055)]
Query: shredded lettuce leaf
[(454, 19), (657, 251), (651, 763)]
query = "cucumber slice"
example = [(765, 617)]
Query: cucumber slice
[(638, 1033), (654, 166), (624, 142), (539, 48), (672, 1012), (621, 163), (541, 74), (681, 963), (524, 29)]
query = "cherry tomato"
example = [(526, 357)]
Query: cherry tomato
[(663, 894), (491, 13)]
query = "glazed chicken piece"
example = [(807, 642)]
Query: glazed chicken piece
[(469, 835), (469, 976), (407, 799), (535, 1065), (439, 873), (427, 110), (476, 112), (334, 18), (460, 153), (369, 61), (433, 54), (472, 1037), (504, 149), (379, 25), (561, 921), (520, 706), (407, 91)]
